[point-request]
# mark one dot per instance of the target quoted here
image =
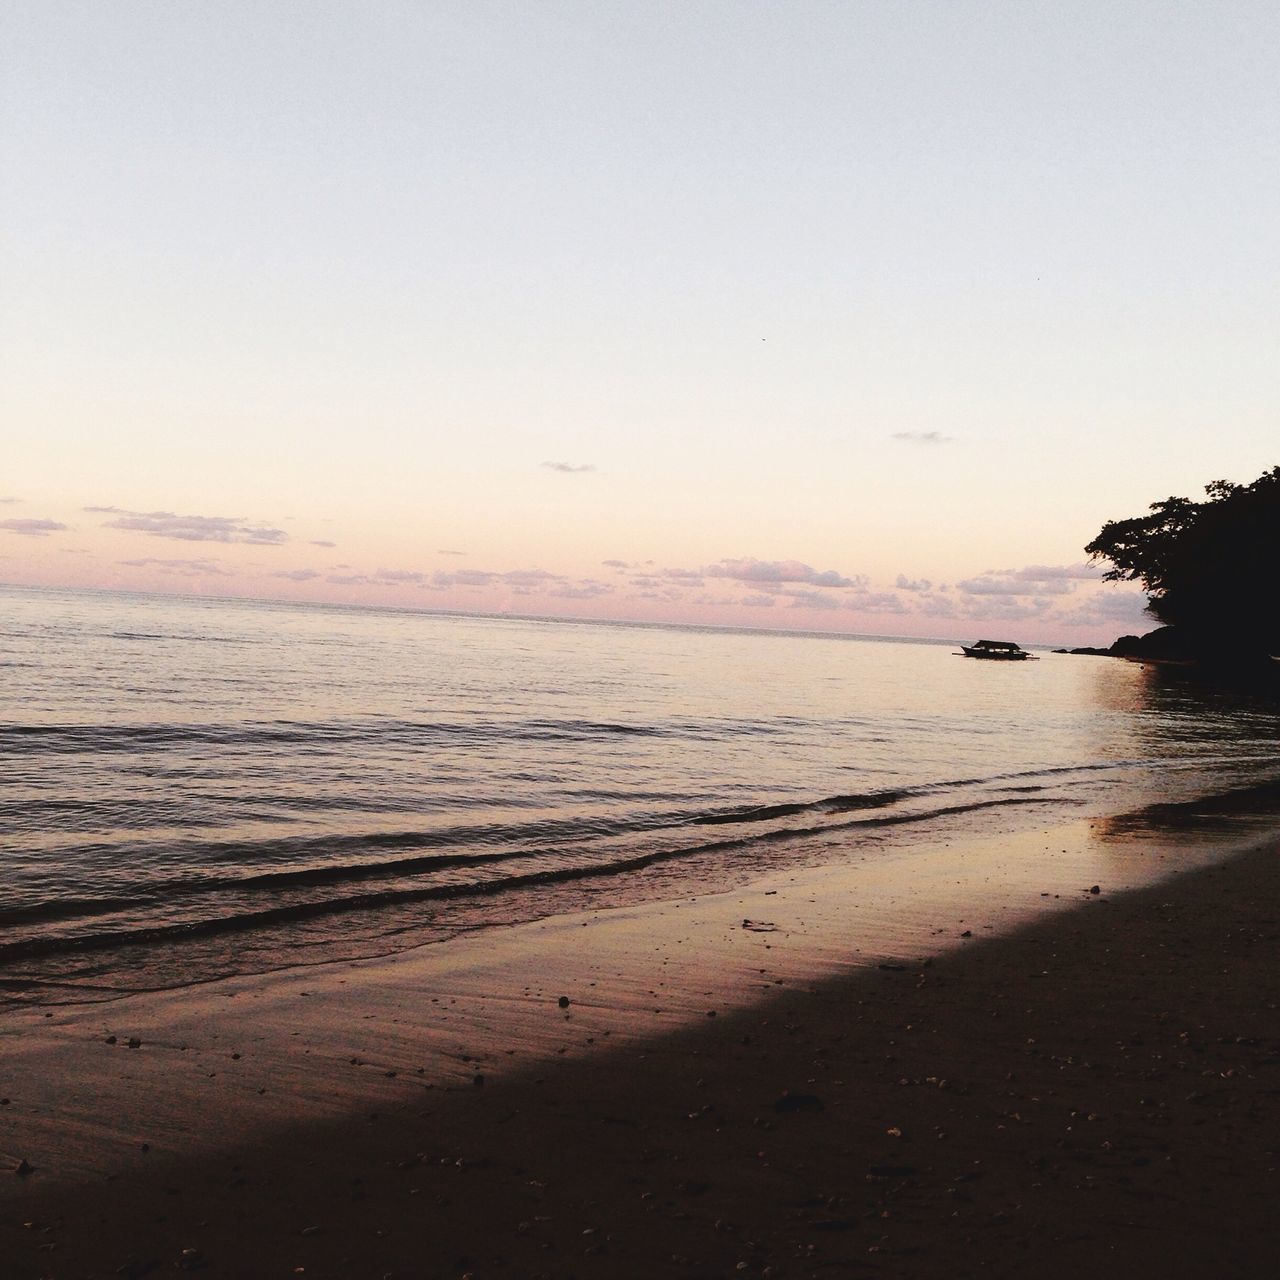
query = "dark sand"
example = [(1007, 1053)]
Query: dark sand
[(1097, 1091)]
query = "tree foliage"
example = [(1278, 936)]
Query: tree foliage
[(1211, 568)]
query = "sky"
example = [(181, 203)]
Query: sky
[(850, 316)]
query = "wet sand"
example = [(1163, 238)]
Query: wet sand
[(812, 1077)]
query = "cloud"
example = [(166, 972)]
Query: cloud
[(1005, 609), (804, 599), (667, 595), (1116, 608), (876, 602), (167, 524), (486, 577), (935, 606), (381, 578), (568, 468), (1033, 580), (32, 528), (322, 542), (923, 437), (903, 583), (778, 571), (759, 601), (297, 575), (615, 564), (184, 568), (1048, 572), (4, 502), (586, 590), (463, 578), (444, 551), (521, 581), (397, 577), (995, 585)]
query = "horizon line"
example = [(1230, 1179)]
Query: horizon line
[(499, 617)]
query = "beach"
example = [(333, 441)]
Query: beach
[(1086, 1082)]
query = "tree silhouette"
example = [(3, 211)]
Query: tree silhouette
[(1211, 568)]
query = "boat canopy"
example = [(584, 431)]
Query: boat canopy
[(998, 644)]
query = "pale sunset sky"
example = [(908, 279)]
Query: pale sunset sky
[(855, 316)]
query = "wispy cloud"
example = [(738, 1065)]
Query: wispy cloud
[(4, 502), (1033, 580), (923, 437), (463, 578), (322, 542), (1115, 608), (297, 575), (994, 585), (803, 598), (1083, 572), (778, 571), (903, 583), (168, 524), (1006, 609), (588, 589), (876, 602), (519, 580), (400, 577), (183, 568), (568, 468), (32, 528), (445, 551)]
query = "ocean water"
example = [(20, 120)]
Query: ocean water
[(194, 788)]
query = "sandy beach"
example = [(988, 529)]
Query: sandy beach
[(763, 1083)]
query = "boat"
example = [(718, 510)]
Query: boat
[(1001, 650)]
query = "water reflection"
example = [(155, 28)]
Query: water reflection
[(1173, 715)]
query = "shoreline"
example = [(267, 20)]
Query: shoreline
[(271, 1083)]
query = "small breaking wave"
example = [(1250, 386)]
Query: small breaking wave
[(48, 944)]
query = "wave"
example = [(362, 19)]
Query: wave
[(831, 804), (59, 738), (45, 945), (347, 856)]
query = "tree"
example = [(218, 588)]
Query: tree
[(1211, 568)]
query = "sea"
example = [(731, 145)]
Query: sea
[(196, 788)]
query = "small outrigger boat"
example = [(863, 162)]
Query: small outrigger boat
[(1001, 650)]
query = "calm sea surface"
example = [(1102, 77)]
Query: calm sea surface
[(195, 788)]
